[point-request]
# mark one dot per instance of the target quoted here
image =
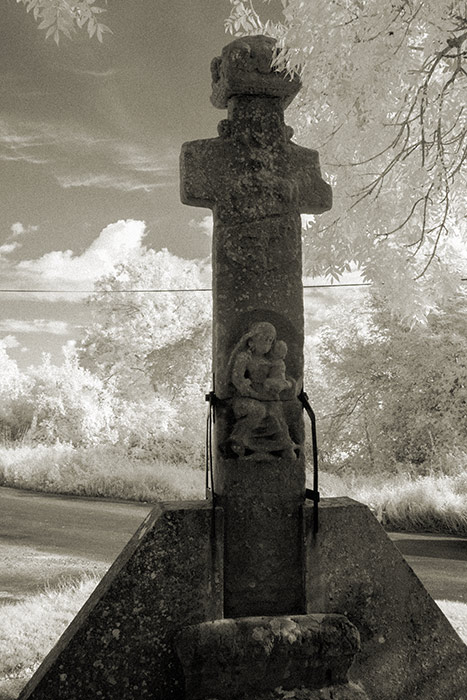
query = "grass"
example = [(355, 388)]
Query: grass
[(105, 471), (433, 503), (457, 616), (29, 629), (403, 501)]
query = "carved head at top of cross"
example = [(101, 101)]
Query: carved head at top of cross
[(245, 69), (254, 93), (254, 169)]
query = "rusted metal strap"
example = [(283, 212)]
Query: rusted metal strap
[(312, 494)]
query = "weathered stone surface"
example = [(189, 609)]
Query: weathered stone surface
[(348, 691), (257, 182), (263, 524), (241, 658), (245, 69), (120, 645), (261, 385), (409, 649)]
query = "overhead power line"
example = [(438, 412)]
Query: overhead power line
[(166, 291), (157, 291)]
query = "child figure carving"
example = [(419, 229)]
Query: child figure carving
[(258, 376)]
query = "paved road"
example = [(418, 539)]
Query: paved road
[(440, 562), (44, 537)]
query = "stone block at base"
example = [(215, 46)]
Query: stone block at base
[(120, 645), (349, 691), (267, 657), (408, 647)]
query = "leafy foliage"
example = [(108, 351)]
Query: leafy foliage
[(151, 350), (141, 341), (15, 414), (382, 100), (69, 404), (392, 396), (57, 17), (51, 403), (139, 377)]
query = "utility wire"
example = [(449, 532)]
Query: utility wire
[(155, 291), (165, 291)]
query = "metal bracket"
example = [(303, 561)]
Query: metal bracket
[(211, 398), (312, 494)]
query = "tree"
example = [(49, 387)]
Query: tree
[(390, 394), (383, 102), (15, 417), (65, 17), (152, 349), (141, 340), (69, 404), (48, 403)]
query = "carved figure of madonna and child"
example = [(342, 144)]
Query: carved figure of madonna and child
[(257, 373)]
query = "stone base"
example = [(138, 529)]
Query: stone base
[(120, 645), (269, 657), (408, 647), (349, 691), (169, 576)]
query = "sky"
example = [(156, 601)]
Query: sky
[(90, 136)]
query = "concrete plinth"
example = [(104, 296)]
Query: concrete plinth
[(409, 649), (120, 645), (268, 657)]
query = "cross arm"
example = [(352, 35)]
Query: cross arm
[(314, 194), (197, 173)]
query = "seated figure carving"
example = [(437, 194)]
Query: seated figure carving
[(258, 377)]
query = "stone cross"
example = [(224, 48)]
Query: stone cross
[(153, 629), (257, 182)]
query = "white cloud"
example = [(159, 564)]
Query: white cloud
[(18, 229), (24, 157), (8, 248), (143, 160), (17, 138), (22, 142), (38, 325), (117, 243), (107, 181), (204, 226), (9, 341), (80, 159)]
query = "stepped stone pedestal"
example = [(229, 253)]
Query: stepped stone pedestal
[(170, 577)]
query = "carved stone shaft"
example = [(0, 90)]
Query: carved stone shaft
[(257, 182)]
